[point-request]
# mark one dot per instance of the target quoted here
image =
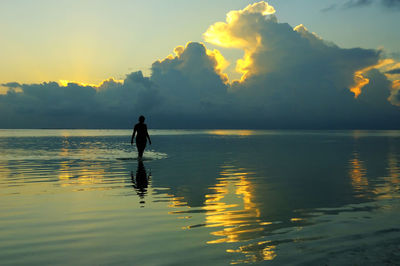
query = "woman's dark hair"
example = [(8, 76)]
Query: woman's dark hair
[(141, 119)]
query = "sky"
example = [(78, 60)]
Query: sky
[(200, 64)]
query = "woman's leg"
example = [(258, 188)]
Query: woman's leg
[(140, 147)]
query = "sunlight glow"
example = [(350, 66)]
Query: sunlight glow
[(64, 83), (222, 34), (243, 64), (225, 34), (220, 63), (360, 80)]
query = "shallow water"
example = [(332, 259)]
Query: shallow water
[(199, 197)]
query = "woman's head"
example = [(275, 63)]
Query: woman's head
[(141, 119)]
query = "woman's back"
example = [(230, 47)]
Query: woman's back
[(141, 131)]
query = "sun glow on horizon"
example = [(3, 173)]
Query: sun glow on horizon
[(65, 83)]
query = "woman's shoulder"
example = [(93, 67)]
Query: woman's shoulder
[(140, 125)]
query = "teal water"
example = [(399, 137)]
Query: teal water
[(200, 197)]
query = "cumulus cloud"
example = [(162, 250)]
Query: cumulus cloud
[(49, 105), (291, 78), (192, 85), (291, 74), (194, 74), (184, 90)]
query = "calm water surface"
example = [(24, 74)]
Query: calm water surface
[(203, 197)]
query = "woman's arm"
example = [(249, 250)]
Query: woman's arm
[(147, 135), (133, 135)]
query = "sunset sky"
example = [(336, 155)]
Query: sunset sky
[(349, 44), (89, 41)]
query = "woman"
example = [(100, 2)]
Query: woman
[(141, 137)]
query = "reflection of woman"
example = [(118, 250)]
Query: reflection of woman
[(141, 181), (141, 137)]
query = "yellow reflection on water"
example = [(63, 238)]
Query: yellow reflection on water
[(176, 201), (80, 174), (390, 188), (357, 174), (394, 169), (266, 252), (83, 178), (5, 176), (223, 132), (232, 207), (233, 215)]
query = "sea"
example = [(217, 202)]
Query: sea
[(200, 197)]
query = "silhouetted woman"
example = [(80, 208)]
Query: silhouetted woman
[(141, 137)]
